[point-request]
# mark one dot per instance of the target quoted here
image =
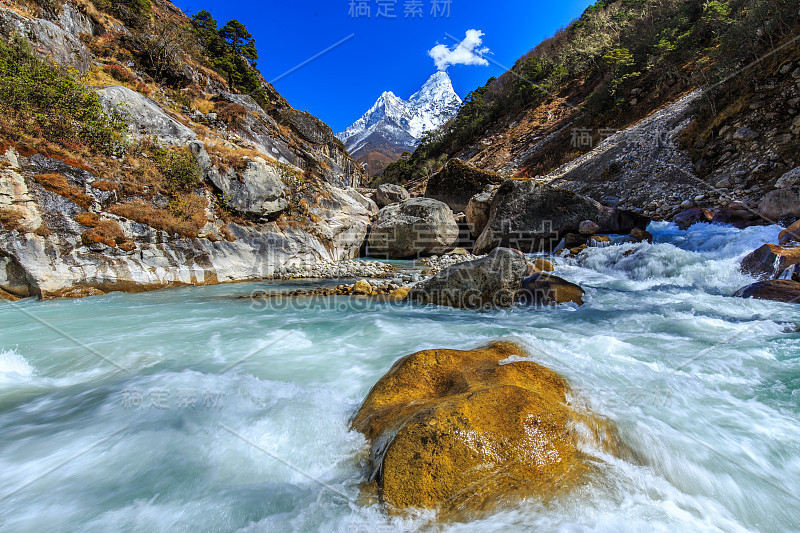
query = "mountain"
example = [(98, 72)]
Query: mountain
[(393, 125), (667, 110)]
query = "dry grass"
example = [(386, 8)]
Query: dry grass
[(184, 216), (10, 219), (227, 158), (108, 232), (59, 184)]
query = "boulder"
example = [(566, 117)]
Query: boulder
[(490, 281), (478, 211), (546, 289), (467, 430), (543, 265), (685, 219), (534, 218), (573, 240), (769, 261), (779, 290), (389, 193), (790, 234), (144, 116), (780, 205), (588, 228), (738, 218), (458, 182), (599, 241), (621, 221), (362, 287), (745, 134), (257, 191), (416, 227)]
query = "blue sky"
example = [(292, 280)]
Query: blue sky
[(383, 54)]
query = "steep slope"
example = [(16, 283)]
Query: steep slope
[(165, 175), (604, 107), (393, 125)]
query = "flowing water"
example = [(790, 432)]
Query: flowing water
[(195, 410)]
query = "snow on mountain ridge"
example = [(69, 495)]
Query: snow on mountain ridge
[(403, 122)]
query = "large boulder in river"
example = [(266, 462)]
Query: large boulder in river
[(491, 281), (389, 193), (544, 288), (467, 430), (534, 218), (458, 182), (770, 261), (413, 228), (778, 290)]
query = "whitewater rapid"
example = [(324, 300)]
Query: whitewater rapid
[(195, 410)]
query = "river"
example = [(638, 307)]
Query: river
[(198, 409)]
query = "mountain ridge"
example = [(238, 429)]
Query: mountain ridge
[(393, 125)]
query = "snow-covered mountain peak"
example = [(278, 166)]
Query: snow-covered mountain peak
[(400, 124)]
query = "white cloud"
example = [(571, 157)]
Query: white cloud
[(467, 52)]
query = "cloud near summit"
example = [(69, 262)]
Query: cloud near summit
[(467, 52)]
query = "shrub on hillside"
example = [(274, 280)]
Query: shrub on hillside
[(41, 99), (119, 73)]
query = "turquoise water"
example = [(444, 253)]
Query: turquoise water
[(196, 410)]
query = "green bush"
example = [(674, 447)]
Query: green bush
[(178, 167), (38, 98)]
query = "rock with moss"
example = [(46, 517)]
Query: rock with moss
[(471, 430)]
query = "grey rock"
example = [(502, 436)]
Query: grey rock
[(415, 227), (745, 134), (588, 227), (491, 281), (48, 39), (478, 211), (258, 190), (389, 193), (307, 125), (144, 116), (780, 204), (533, 218), (789, 179)]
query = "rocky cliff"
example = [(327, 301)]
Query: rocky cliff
[(206, 186)]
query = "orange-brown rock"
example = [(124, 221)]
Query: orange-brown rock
[(546, 289), (543, 265), (790, 235), (464, 430), (770, 261)]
